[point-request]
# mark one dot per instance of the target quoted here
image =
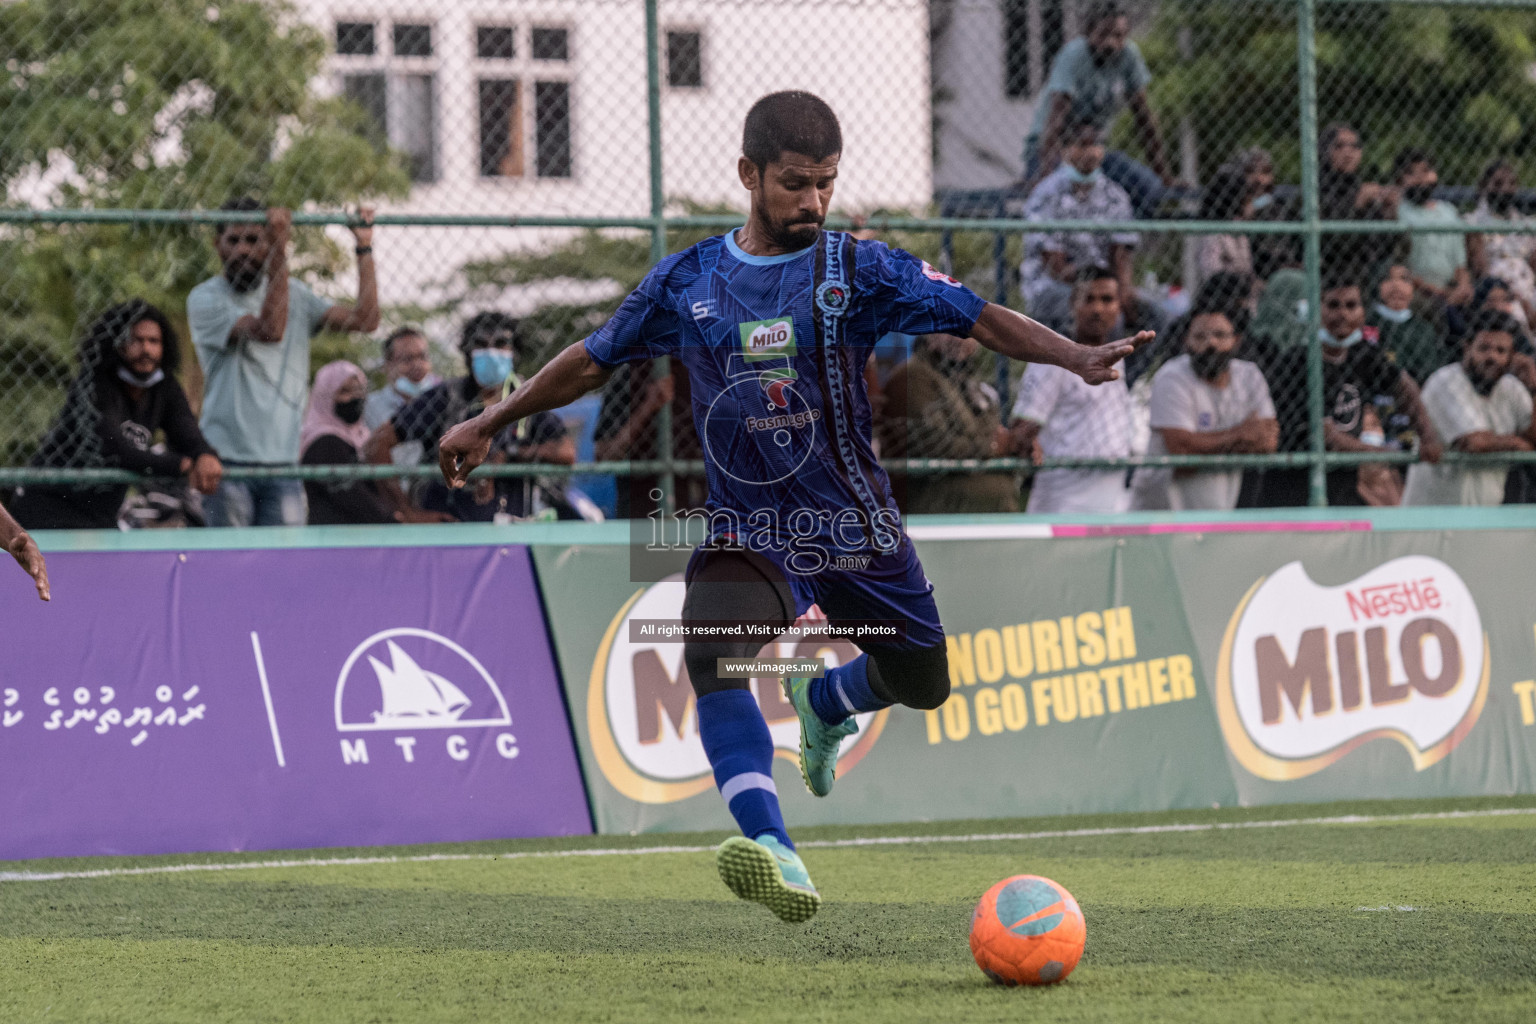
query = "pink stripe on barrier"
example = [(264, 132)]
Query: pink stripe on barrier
[(1269, 526)]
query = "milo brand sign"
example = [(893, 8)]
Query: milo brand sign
[(768, 339), (1308, 673)]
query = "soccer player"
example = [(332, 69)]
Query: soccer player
[(774, 323), (24, 549)]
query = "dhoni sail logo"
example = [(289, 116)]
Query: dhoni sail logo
[(1308, 673), (641, 719), (384, 685)]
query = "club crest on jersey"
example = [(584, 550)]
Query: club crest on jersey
[(935, 274), (768, 339), (832, 298)]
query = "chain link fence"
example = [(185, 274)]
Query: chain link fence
[(1352, 166)]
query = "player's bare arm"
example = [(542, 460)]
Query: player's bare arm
[(1018, 337), (24, 549), (563, 379)]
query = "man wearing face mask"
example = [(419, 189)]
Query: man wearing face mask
[(407, 376), (1478, 405), (489, 343), (1355, 376), (251, 327), (1077, 190), (1438, 262), (125, 394), (1205, 402)]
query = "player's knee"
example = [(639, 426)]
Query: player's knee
[(702, 661), (917, 679)]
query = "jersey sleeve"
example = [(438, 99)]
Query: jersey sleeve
[(644, 327), (911, 297)]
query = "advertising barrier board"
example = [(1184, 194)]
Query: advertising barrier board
[(261, 699), (1108, 673)]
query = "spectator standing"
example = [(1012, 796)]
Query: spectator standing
[(251, 327), (1058, 415), (1356, 378), (1206, 402), (1478, 406), (937, 408), (20, 545), (1510, 257), (1405, 338), (125, 393), (333, 435), (1093, 79), (1438, 261), (407, 375), (1344, 194), (488, 343), (1077, 190)]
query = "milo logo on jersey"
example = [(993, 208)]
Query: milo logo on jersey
[(768, 339)]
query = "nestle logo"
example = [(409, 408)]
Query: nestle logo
[(1386, 599)]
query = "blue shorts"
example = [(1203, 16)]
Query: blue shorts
[(891, 587)]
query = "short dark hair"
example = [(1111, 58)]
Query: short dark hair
[(1345, 275), (491, 321), (1495, 167), (1075, 126), (1095, 272), (1493, 320), (1104, 10), (240, 204), (1225, 292), (794, 122), (408, 331), (1407, 157)]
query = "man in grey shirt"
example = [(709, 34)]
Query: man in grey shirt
[(251, 328)]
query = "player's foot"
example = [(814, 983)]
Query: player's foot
[(766, 871), (819, 741)]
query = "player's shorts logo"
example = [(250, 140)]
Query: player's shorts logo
[(832, 297), (768, 339), (1307, 673), (934, 274), (641, 716)]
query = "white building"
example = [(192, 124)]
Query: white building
[(536, 108)]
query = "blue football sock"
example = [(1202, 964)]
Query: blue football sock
[(845, 691), (740, 749)]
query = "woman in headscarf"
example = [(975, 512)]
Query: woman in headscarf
[(1343, 194), (124, 394), (332, 435)]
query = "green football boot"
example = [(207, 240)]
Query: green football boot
[(818, 740), (766, 871)]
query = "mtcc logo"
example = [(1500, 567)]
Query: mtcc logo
[(406, 680)]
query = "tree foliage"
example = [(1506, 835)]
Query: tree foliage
[(155, 104), (1456, 81)]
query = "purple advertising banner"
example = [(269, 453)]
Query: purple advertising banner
[(234, 700)]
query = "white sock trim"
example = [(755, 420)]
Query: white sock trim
[(738, 784), (842, 695)]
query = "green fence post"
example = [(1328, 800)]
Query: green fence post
[(1306, 54), (658, 237)]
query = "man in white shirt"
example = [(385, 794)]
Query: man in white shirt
[(1058, 416), (1205, 402), (1477, 405)]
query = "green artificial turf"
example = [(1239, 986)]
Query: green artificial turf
[(1239, 924)]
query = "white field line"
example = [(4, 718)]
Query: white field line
[(983, 837)]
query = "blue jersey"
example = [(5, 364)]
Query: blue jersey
[(775, 348)]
